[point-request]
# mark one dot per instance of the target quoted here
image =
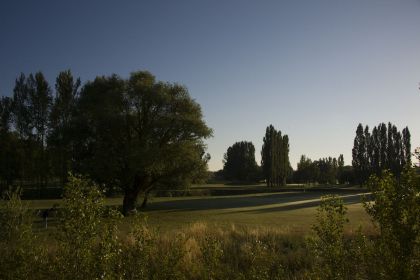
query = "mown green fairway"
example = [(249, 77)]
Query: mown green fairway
[(288, 212)]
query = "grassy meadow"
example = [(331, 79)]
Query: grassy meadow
[(211, 232), (290, 210)]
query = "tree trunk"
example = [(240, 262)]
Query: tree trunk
[(130, 197), (146, 195)]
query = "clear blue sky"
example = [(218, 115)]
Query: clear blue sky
[(313, 69)]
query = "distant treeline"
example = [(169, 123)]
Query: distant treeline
[(324, 171), (384, 148), (240, 165)]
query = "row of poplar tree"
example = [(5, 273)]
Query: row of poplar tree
[(34, 129), (383, 148), (240, 165)]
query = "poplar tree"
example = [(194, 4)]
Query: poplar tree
[(61, 119), (275, 157), (368, 160), (391, 156), (406, 146), (359, 152), (340, 169), (20, 108), (40, 101), (267, 155), (285, 157), (375, 157)]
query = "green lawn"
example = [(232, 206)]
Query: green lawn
[(286, 211), (289, 212)]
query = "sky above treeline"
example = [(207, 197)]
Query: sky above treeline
[(313, 69)]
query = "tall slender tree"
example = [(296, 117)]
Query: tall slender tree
[(20, 108), (406, 146), (368, 160), (359, 153), (275, 157), (390, 151), (267, 154), (61, 120), (340, 169), (286, 162), (22, 121), (375, 156), (383, 140), (40, 100)]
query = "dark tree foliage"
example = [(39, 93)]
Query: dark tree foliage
[(324, 171), (385, 148), (340, 169), (5, 114), (275, 157), (35, 145), (132, 134), (8, 145), (61, 122), (40, 100), (406, 147), (139, 133), (383, 144), (240, 164), (31, 106), (359, 153), (346, 176), (327, 170), (20, 108), (307, 171), (375, 156)]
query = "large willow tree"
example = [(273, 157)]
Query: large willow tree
[(139, 133)]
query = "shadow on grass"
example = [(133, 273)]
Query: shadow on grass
[(353, 199), (293, 201)]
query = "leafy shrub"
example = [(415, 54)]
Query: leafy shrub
[(393, 254), (396, 211), (329, 243), (21, 256), (87, 239)]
